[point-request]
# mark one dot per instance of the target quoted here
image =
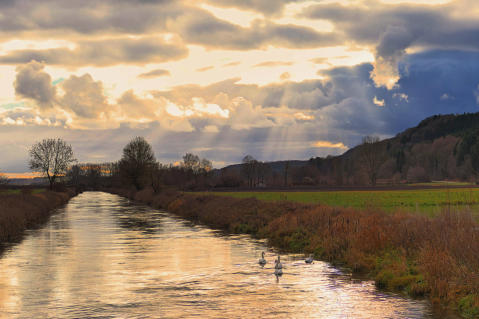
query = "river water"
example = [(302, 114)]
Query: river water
[(102, 256)]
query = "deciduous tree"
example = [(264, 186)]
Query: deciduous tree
[(371, 157), (138, 158), (52, 158), (248, 168), (3, 179)]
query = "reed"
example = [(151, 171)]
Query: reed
[(25, 210)]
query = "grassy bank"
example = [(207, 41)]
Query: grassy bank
[(426, 201), (24, 210), (7, 191), (420, 256)]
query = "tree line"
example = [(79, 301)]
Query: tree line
[(137, 168), (423, 153)]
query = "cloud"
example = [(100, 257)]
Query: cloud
[(401, 96), (211, 129), (273, 64), (309, 94), (206, 68), (267, 7), (198, 108), (378, 102), (134, 108), (320, 60), (89, 17), (399, 27), (154, 74), (389, 52), (184, 19), (344, 112), (234, 63), (446, 96), (205, 29), (327, 144), (32, 82), (285, 76), (84, 96), (103, 53)]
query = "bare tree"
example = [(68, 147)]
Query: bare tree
[(191, 162), (286, 169), (371, 157), (196, 168), (138, 158), (206, 165), (157, 173), (248, 169), (3, 179), (74, 174), (51, 157)]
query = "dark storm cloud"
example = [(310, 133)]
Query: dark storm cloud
[(368, 24), (392, 29), (424, 79), (193, 24), (205, 29), (103, 53)]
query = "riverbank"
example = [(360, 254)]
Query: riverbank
[(25, 210), (419, 256)]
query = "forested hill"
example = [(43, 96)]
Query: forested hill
[(441, 147), (437, 126)]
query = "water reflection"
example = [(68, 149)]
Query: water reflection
[(102, 256)]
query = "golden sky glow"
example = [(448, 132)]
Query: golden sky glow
[(327, 144)]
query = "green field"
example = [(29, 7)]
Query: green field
[(428, 201), (18, 191)]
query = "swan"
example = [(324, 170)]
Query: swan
[(278, 267), (309, 260), (262, 261), (278, 264)]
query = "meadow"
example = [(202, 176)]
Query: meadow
[(22, 190), (426, 201)]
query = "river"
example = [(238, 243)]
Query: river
[(102, 256)]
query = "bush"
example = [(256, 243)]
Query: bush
[(469, 306)]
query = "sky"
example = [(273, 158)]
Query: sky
[(282, 79)]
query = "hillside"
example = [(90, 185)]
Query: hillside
[(441, 147)]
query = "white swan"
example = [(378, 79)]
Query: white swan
[(309, 260), (278, 267), (262, 261), (278, 264)]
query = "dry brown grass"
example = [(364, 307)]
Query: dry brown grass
[(19, 212), (438, 257)]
